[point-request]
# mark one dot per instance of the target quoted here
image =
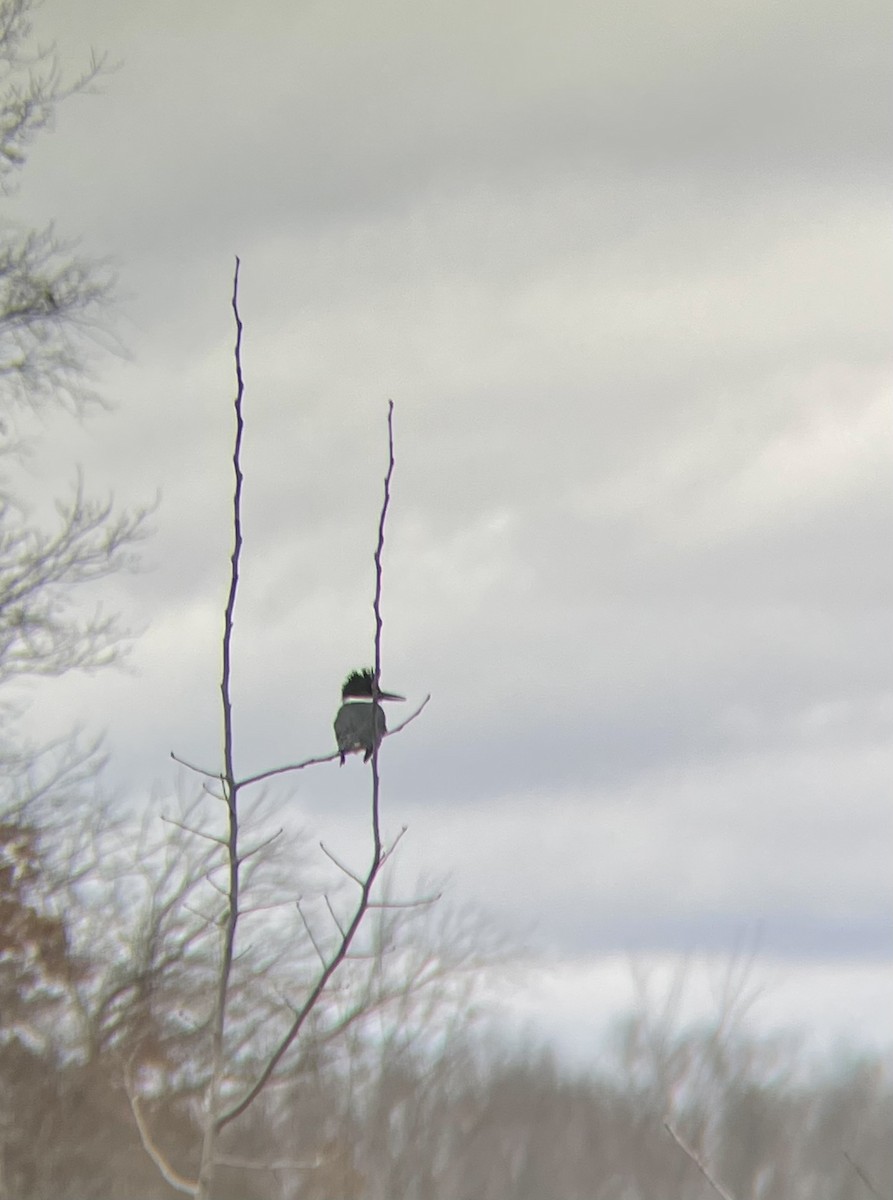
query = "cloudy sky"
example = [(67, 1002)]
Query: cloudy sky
[(625, 272)]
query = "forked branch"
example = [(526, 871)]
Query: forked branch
[(324, 758), (365, 883), (216, 1116)]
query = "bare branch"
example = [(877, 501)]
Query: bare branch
[(368, 882), (323, 758), (408, 721), (379, 550), (207, 918), (421, 902), (689, 1152), (231, 787), (307, 1008), (34, 86), (334, 915), (863, 1175), (218, 888), (309, 931), (274, 1164), (171, 1176), (299, 766), (51, 302), (261, 846), (192, 767), (379, 626), (340, 865), (50, 298), (41, 634), (209, 837), (50, 774), (248, 909), (386, 854)]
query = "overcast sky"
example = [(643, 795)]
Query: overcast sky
[(625, 272)]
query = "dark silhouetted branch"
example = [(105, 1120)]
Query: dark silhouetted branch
[(323, 758), (230, 785), (365, 883)]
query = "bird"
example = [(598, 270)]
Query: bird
[(360, 724)]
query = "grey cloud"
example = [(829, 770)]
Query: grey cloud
[(626, 274)]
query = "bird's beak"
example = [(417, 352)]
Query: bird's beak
[(390, 696)]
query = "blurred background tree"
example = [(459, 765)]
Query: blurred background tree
[(53, 304)]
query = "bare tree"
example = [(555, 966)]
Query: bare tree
[(52, 307), (41, 630), (388, 1091), (53, 302), (252, 1039), (51, 299)]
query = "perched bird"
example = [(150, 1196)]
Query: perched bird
[(360, 724)]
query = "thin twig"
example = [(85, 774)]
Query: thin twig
[(261, 846), (298, 766), (209, 837), (408, 720), (368, 882), (421, 902), (324, 758), (305, 1010), (248, 909), (171, 1176), (230, 786), (218, 888), (197, 912), (388, 851), (863, 1175), (333, 914), (379, 626), (193, 767), (340, 865), (274, 1164), (687, 1150), (313, 941)]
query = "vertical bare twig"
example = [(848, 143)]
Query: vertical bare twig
[(379, 626), (366, 884), (215, 1120), (230, 789)]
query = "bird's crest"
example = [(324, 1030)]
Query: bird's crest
[(359, 683)]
